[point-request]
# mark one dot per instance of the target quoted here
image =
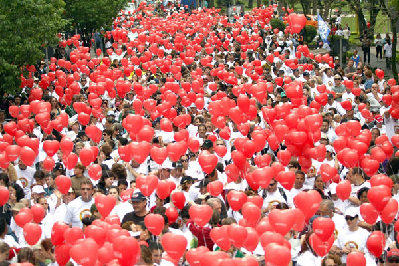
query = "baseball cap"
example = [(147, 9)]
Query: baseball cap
[(352, 212), (203, 183), (177, 165), (38, 189), (167, 164), (186, 179), (330, 148), (138, 196)]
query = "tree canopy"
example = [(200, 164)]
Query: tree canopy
[(26, 26), (91, 15)]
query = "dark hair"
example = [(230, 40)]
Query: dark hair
[(122, 182), (3, 226), (155, 246), (19, 192), (4, 177), (39, 174), (26, 255), (361, 191)]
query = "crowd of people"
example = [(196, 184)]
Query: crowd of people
[(189, 116)]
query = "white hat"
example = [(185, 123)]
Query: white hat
[(333, 188), (352, 212), (167, 164), (38, 189), (330, 148)]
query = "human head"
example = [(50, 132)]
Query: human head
[(299, 179), (139, 203), (272, 186), (86, 190), (215, 204), (352, 218), (326, 208)]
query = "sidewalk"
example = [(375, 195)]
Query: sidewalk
[(377, 63)]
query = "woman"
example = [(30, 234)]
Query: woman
[(106, 181), (45, 256), (388, 52), (55, 108), (121, 208), (307, 256), (378, 45), (319, 185), (78, 177)]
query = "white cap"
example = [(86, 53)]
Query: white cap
[(333, 188), (38, 189), (330, 148), (352, 212), (167, 164)]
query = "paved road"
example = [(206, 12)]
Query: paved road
[(377, 63)]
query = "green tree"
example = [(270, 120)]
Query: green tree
[(90, 15), (391, 8), (26, 26)]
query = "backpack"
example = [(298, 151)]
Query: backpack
[(280, 189)]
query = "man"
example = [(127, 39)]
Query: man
[(353, 238), (139, 202), (274, 195), (298, 185), (25, 177), (79, 208), (338, 88), (326, 209)]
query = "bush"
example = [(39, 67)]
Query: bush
[(277, 24), (309, 33)]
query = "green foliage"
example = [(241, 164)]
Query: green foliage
[(309, 33), (277, 24), (90, 15), (26, 26)]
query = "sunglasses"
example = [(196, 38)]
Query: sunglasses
[(88, 189), (271, 185), (350, 218), (337, 79)]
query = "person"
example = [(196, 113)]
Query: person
[(353, 238), (79, 208), (356, 58), (78, 178), (388, 52), (121, 208), (366, 43), (139, 203), (378, 45)]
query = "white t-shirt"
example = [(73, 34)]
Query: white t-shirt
[(76, 211), (308, 258), (26, 178), (356, 239), (121, 209)]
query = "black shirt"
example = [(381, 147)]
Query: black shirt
[(131, 216)]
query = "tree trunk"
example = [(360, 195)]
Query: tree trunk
[(251, 4), (304, 7), (393, 58), (361, 20), (374, 10), (258, 3), (315, 6), (326, 10)]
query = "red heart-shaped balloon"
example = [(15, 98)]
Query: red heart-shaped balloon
[(207, 161), (84, 252), (174, 245), (32, 233), (105, 204), (323, 228), (201, 214)]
